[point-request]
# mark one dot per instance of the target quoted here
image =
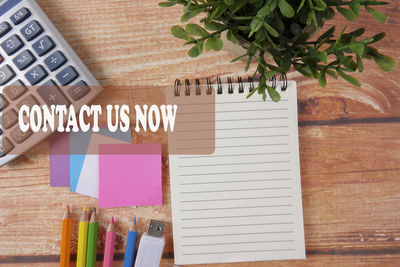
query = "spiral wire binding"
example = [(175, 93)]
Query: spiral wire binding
[(187, 87), (197, 82), (241, 87), (273, 80)]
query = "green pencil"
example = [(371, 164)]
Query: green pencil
[(92, 241)]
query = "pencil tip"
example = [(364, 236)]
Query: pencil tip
[(134, 220), (94, 209), (84, 208), (112, 220)]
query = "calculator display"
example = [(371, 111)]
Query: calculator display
[(6, 5)]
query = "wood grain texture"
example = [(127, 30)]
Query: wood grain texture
[(349, 141)]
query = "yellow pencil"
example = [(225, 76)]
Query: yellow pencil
[(82, 239)]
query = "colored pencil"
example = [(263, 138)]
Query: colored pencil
[(109, 246), (92, 241), (130, 245), (82, 239), (65, 239)]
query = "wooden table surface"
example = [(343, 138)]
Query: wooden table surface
[(349, 141)]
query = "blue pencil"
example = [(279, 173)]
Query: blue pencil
[(130, 245)]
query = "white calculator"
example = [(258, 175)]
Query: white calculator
[(37, 67)]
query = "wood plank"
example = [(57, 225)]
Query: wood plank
[(349, 211), (129, 46)]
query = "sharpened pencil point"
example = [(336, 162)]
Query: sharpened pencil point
[(94, 209), (84, 208), (112, 220), (134, 220)]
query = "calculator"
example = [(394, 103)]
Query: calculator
[(37, 67)]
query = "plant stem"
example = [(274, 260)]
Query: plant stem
[(209, 36)]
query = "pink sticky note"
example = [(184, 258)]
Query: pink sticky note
[(130, 175)]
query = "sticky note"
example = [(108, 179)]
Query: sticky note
[(130, 175), (79, 149), (88, 183), (59, 160)]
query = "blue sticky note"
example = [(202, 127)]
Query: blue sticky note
[(79, 144)]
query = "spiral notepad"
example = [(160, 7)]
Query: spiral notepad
[(242, 202)]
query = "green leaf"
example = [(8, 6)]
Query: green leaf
[(328, 13), (355, 6), (376, 14), (320, 5), (349, 78), (275, 96), (191, 14), (231, 37), (331, 73), (255, 25), (378, 37), (218, 12), (271, 30), (358, 32), (214, 43), (286, 9), (286, 62), (229, 2), (384, 62), (323, 56), (180, 33), (327, 34), (213, 26), (196, 30), (194, 51), (238, 58), (167, 4), (347, 13), (322, 78), (360, 64), (357, 48), (300, 6)]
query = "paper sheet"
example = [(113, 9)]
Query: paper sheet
[(59, 160), (243, 202)]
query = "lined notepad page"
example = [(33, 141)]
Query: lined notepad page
[(243, 202)]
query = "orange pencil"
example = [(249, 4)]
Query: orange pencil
[(65, 239)]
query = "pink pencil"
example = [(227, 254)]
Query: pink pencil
[(109, 247)]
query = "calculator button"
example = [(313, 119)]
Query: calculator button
[(5, 146), (55, 60), (51, 94), (20, 16), (3, 102), (6, 74), (78, 90), (29, 100), (31, 30), (43, 45), (67, 75), (15, 90), (12, 44), (5, 27), (24, 60), (9, 118), (18, 136), (36, 74)]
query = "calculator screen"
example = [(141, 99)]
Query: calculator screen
[(6, 5)]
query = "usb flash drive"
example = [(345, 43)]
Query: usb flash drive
[(151, 246)]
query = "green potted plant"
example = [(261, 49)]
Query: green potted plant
[(277, 34)]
